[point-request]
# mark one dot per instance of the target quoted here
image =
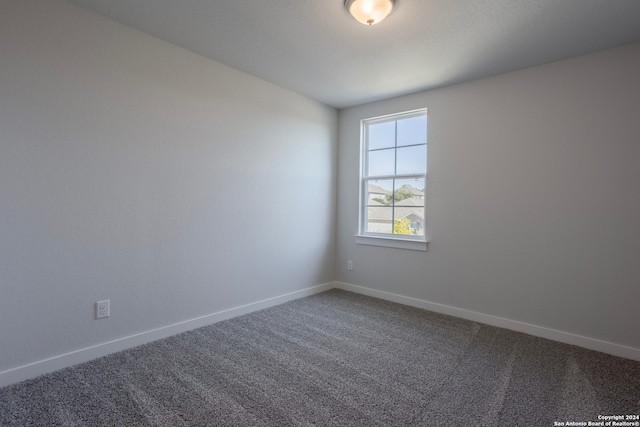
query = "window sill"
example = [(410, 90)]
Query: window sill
[(413, 245)]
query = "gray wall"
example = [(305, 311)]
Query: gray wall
[(136, 171), (533, 199), (140, 172)]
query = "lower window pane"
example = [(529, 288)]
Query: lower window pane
[(395, 206), (409, 207), (380, 219), (379, 192)]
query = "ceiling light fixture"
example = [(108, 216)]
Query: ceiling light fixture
[(370, 12)]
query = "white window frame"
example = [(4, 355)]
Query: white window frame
[(363, 237)]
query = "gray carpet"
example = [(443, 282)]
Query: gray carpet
[(333, 359)]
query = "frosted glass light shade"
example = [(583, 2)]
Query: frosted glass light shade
[(370, 12)]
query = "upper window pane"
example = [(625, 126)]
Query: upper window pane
[(382, 135), (412, 131), (411, 160), (381, 162)]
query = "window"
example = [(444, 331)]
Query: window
[(393, 181)]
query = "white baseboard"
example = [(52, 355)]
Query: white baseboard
[(55, 363), (552, 334), (61, 361)]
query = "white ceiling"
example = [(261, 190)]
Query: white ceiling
[(315, 48)]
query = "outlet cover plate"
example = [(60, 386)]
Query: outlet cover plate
[(103, 309)]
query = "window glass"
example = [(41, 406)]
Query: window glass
[(381, 162), (411, 159), (412, 131), (379, 192), (382, 135)]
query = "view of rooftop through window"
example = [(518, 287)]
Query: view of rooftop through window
[(395, 168)]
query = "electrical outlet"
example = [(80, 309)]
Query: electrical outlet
[(103, 309), (349, 265)]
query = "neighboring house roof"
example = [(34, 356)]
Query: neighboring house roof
[(376, 189), (384, 213), (403, 208), (411, 201), (403, 212)]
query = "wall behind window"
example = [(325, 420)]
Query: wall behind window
[(532, 198), (140, 172)]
